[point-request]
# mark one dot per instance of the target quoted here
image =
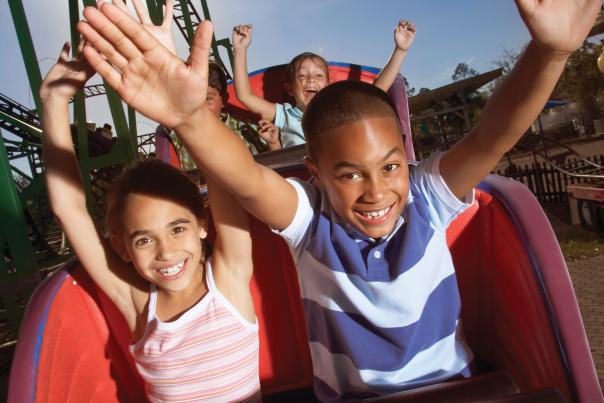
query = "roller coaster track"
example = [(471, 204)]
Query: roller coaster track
[(580, 167)]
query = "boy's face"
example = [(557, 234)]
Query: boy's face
[(362, 167), (214, 101), (310, 78)]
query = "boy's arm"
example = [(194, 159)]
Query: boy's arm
[(241, 39), (65, 187), (166, 90), (232, 253), (557, 29), (404, 34)]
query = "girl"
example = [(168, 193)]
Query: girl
[(195, 334), (306, 74)]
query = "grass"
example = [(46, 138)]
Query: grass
[(575, 241)]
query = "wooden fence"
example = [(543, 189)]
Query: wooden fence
[(547, 183)]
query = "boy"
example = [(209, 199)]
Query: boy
[(368, 234)]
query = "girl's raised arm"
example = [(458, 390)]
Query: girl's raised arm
[(232, 254), (64, 185)]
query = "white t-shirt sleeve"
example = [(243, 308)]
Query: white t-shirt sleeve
[(297, 230), (443, 205)]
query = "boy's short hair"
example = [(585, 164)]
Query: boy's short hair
[(294, 64), (155, 178), (341, 103), (217, 79)]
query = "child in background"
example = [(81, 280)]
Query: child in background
[(306, 74), (194, 331), (368, 231)]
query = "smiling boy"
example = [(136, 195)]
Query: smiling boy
[(368, 231)]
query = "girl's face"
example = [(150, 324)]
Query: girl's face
[(162, 240), (310, 77)]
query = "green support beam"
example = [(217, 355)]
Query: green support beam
[(27, 49)]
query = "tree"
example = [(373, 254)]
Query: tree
[(410, 90), (582, 82), (506, 62), (463, 71)]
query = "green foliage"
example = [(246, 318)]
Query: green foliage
[(581, 80), (463, 71)]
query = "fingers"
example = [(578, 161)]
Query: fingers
[(200, 49), (142, 13), (243, 30), (405, 25), (64, 55), (102, 46), (118, 3), (168, 13), (98, 63)]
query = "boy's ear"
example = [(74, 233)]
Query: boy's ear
[(120, 248), (312, 167)]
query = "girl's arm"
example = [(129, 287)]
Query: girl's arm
[(404, 34), (242, 37), (232, 254), (64, 185)]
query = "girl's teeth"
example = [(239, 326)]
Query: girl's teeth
[(172, 270)]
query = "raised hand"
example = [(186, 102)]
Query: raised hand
[(404, 34), (163, 32), (269, 133), (67, 76), (142, 71), (242, 36), (559, 25)]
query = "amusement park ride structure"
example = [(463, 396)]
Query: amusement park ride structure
[(519, 309)]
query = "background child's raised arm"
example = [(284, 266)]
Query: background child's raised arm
[(558, 27), (404, 34), (163, 88), (241, 39), (64, 185)]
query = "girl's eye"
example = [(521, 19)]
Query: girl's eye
[(178, 230), (142, 242), (391, 167)]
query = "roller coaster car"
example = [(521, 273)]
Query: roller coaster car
[(520, 317)]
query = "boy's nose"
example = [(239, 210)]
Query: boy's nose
[(374, 190)]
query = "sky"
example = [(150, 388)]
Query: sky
[(475, 32)]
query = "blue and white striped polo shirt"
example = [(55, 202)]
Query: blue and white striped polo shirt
[(383, 316)]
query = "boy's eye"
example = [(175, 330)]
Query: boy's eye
[(350, 176), (391, 167)]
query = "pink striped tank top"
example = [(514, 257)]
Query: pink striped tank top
[(210, 353)]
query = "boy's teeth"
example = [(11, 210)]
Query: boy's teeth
[(375, 214), (172, 270)]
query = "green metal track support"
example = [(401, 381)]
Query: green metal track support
[(27, 49)]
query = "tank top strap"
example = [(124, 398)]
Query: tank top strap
[(210, 277), (152, 302)]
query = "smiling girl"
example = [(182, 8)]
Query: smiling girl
[(194, 330)]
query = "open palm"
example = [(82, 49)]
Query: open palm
[(142, 71), (560, 25)]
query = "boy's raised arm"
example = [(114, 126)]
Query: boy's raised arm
[(241, 39), (404, 34), (163, 88), (558, 27)]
